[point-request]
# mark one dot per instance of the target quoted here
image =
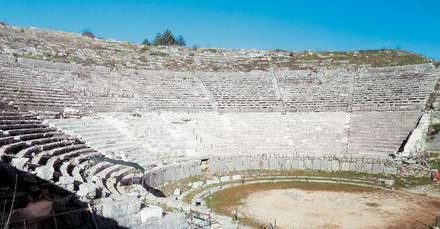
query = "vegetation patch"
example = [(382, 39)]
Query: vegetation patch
[(411, 181), (183, 185), (190, 196), (311, 173), (435, 163), (434, 129), (375, 58)]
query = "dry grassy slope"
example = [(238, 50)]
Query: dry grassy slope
[(69, 47)]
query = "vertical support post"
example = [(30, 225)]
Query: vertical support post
[(54, 219), (93, 216)]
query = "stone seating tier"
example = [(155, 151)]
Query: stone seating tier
[(31, 145), (124, 90), (169, 135)]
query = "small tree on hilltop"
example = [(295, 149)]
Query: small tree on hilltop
[(158, 39), (146, 42), (88, 33), (167, 38)]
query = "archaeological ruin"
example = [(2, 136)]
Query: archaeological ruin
[(109, 134)]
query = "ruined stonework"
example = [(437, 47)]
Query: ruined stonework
[(113, 131)]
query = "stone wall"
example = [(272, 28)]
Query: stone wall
[(172, 172), (225, 165)]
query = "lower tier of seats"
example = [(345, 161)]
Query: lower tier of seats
[(30, 145)]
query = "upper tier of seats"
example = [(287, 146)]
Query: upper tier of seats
[(42, 85)]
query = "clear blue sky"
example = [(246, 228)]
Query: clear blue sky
[(292, 25)]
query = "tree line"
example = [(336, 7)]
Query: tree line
[(166, 38)]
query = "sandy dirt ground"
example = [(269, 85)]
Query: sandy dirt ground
[(295, 208)]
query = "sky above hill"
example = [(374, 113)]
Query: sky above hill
[(245, 24)]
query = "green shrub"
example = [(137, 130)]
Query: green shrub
[(167, 38), (146, 42), (88, 34)]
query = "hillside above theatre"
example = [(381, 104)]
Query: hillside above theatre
[(85, 50)]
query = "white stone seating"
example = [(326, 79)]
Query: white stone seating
[(128, 178), (46, 146), (7, 149), (45, 140), (97, 167), (36, 145), (20, 126), (392, 90), (17, 117), (107, 172), (34, 89), (45, 155), (327, 90), (29, 131), (57, 160), (7, 140), (110, 184), (104, 176), (100, 185), (102, 135), (27, 137), (380, 133), (81, 158), (63, 169), (77, 164), (10, 122), (118, 175), (115, 147), (78, 170)]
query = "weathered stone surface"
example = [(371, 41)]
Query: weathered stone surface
[(87, 190), (20, 163), (417, 140), (240, 110), (119, 207), (197, 184), (44, 172), (236, 177), (215, 180), (151, 213), (177, 192), (225, 179)]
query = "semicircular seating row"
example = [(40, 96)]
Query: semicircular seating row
[(42, 85), (29, 144)]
